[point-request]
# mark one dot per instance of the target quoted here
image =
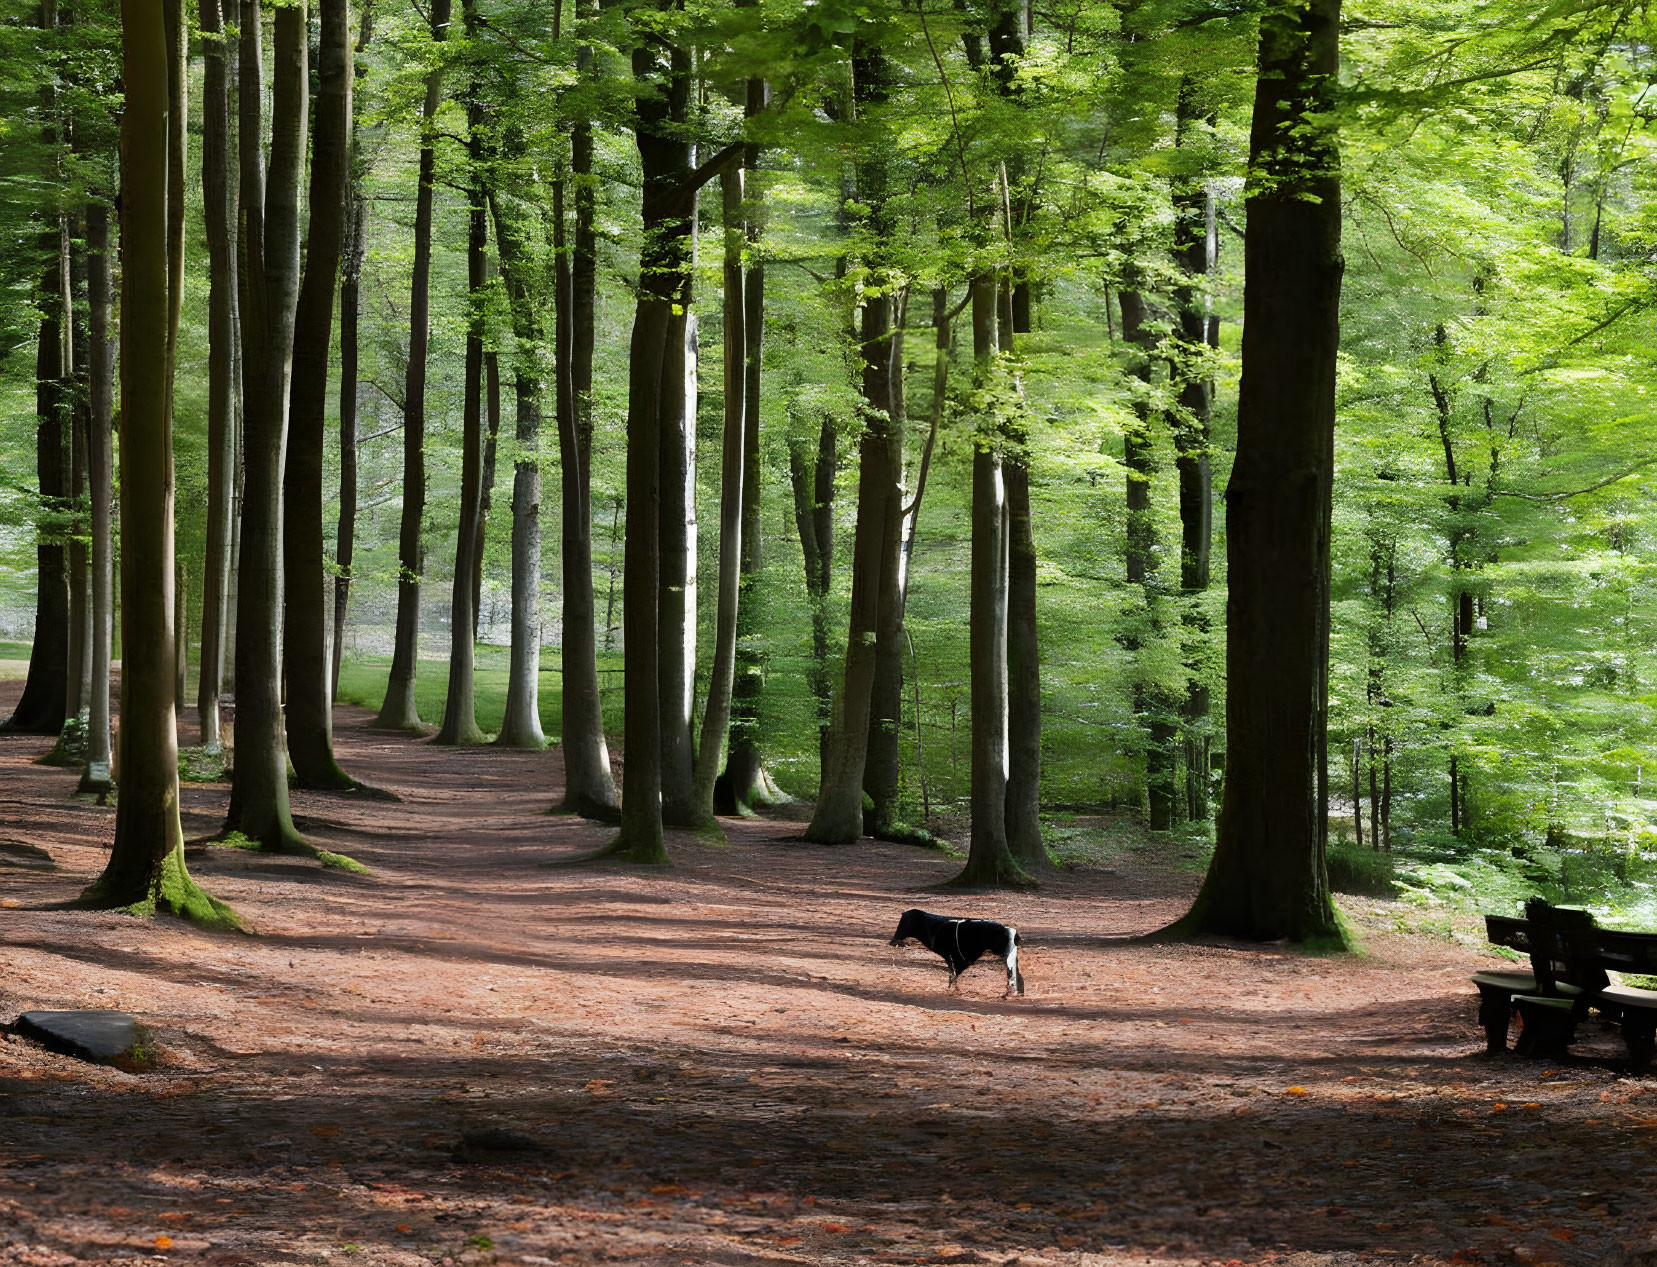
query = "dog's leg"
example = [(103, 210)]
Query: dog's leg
[(1015, 978)]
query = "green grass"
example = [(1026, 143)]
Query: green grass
[(363, 681)]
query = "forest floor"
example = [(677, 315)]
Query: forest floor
[(722, 1062)]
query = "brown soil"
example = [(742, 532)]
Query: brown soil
[(723, 1062)]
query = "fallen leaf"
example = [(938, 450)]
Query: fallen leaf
[(10, 903), (325, 1130), (404, 1228), (1297, 1091), (163, 1242)]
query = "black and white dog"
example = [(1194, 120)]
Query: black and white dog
[(962, 942)]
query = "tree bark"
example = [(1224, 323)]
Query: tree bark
[(305, 656), (1196, 254), (146, 863), (989, 860), (399, 711), (219, 213), (95, 777), (811, 476), (521, 725), (460, 724), (1268, 877), (677, 597), (838, 816), (746, 782), (589, 785), (655, 411), (353, 251), (40, 710), (716, 717), (270, 254), (80, 598)]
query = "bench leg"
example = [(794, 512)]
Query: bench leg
[(1495, 1014), (1547, 1031), (1639, 1033)]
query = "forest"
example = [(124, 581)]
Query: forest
[(1172, 475)]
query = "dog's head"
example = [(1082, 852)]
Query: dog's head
[(909, 925)]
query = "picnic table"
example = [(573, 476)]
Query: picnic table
[(1571, 959)]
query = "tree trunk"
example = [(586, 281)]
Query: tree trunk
[(716, 717), (1024, 839), (219, 212), (80, 598), (353, 251), (399, 711), (1196, 254), (101, 479), (486, 491), (677, 601), (1268, 877), (880, 772), (460, 723), (40, 711), (655, 413), (305, 657), (746, 783), (589, 785), (146, 863), (812, 478), (989, 861), (269, 250), (521, 724)]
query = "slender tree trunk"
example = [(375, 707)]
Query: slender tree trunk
[(746, 781), (880, 772), (812, 478), (486, 502), (1024, 839), (146, 863), (101, 479), (270, 254), (181, 638), (989, 860), (589, 785), (219, 212), (1139, 457), (677, 600), (399, 711), (521, 725), (1268, 877), (305, 656), (460, 725), (1196, 254), (353, 251), (838, 816), (716, 718), (40, 710), (655, 411), (80, 598)]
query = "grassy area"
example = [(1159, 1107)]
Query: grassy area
[(363, 681)]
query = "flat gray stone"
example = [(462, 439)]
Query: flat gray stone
[(102, 1036)]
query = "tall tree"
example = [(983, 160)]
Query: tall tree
[(306, 662), (838, 816), (269, 250), (589, 786), (353, 252), (399, 711), (1268, 877), (219, 211), (460, 723), (146, 863), (95, 777)]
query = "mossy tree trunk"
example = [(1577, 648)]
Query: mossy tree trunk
[(146, 862), (1268, 877), (269, 250)]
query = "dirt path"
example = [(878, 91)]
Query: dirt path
[(724, 1063)]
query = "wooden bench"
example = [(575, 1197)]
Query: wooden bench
[(1570, 957)]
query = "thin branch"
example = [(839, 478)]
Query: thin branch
[(949, 93), (1578, 492)]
